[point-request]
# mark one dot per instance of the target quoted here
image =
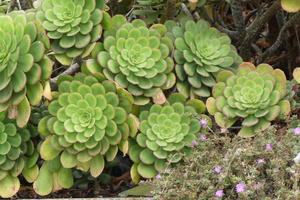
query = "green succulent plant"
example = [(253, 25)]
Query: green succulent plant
[(200, 53), (166, 133), (88, 123), (17, 156), (52, 177), (136, 58), (24, 66), (73, 26), (296, 74), (254, 94), (37, 113), (290, 5)]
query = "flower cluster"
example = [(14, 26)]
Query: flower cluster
[(219, 172)]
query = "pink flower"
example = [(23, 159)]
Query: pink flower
[(218, 169), (261, 160), (194, 143), (240, 188), (202, 137), (219, 193), (158, 176), (268, 146), (297, 131), (203, 122)]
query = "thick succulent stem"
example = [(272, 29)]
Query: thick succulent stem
[(71, 70), (254, 29), (170, 9), (26, 4), (20, 4), (295, 18), (186, 10), (238, 18)]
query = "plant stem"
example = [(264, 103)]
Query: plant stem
[(238, 18), (70, 70), (295, 18), (254, 29)]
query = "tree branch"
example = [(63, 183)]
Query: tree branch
[(186, 10), (238, 18), (295, 18), (170, 9), (254, 29), (71, 70)]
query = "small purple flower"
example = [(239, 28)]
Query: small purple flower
[(194, 143), (202, 137), (261, 160), (219, 193), (240, 188), (158, 176), (268, 146), (257, 186), (297, 131), (218, 169), (203, 122)]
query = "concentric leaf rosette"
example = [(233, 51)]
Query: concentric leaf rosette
[(24, 66), (73, 26), (255, 95), (17, 156), (88, 123), (137, 58), (200, 53), (166, 133)]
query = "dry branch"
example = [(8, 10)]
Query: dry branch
[(295, 18)]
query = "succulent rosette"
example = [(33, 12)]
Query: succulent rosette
[(290, 5), (166, 133), (17, 156), (137, 58), (24, 66), (88, 123), (201, 51), (256, 95), (52, 177), (73, 26)]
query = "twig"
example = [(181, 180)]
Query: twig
[(71, 70), (257, 49), (186, 10), (196, 16), (232, 34), (170, 9), (19, 5), (297, 38), (238, 18), (295, 18), (249, 15), (204, 14), (255, 27)]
